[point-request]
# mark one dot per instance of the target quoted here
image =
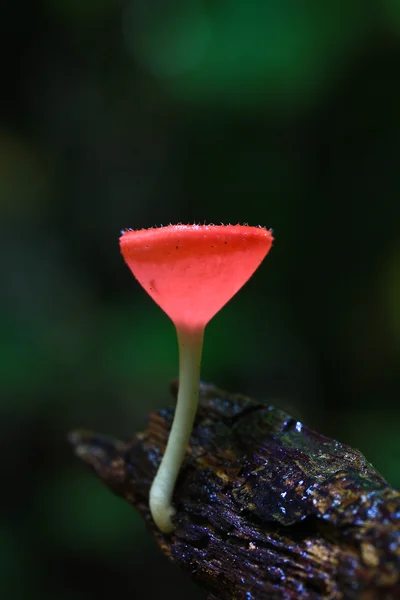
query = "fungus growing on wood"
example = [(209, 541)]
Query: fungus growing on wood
[(190, 271)]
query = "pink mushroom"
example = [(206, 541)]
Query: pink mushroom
[(190, 271)]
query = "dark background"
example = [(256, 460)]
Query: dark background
[(135, 113)]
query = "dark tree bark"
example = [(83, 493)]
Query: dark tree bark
[(266, 507)]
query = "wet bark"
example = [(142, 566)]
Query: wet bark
[(266, 507)]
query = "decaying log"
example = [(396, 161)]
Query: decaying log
[(266, 507)]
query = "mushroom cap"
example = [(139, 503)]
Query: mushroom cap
[(191, 271)]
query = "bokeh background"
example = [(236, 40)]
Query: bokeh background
[(133, 113)]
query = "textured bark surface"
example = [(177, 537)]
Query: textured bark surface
[(266, 507)]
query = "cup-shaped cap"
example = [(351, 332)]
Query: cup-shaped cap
[(191, 271)]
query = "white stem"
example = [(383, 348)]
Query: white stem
[(190, 349)]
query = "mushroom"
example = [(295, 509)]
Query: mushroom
[(190, 271)]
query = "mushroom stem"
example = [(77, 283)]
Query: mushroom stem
[(190, 344)]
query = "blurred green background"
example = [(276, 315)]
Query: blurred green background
[(132, 113)]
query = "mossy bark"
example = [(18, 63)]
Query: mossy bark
[(266, 507)]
